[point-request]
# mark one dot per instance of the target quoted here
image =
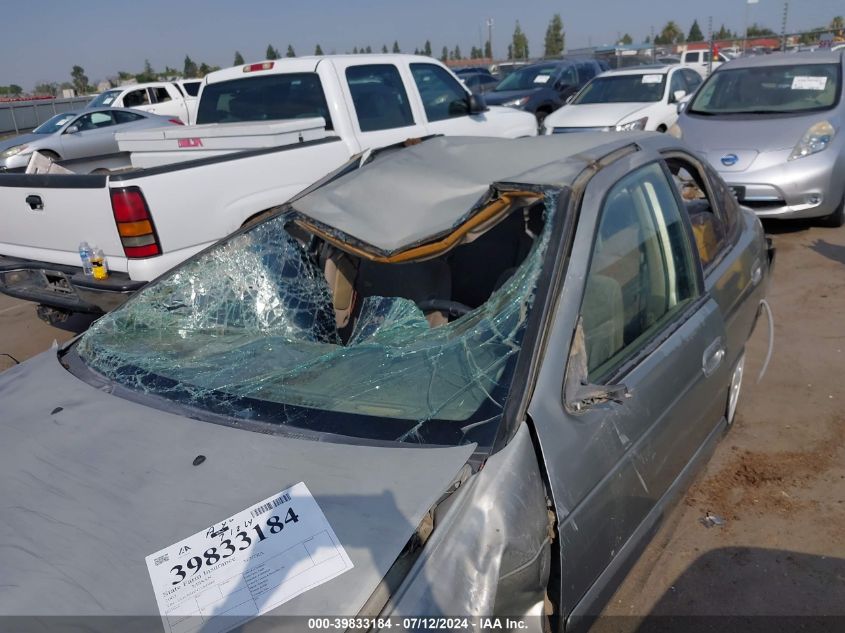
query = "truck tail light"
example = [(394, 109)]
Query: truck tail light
[(134, 223), (260, 66), (176, 121)]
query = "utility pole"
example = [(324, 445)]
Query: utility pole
[(490, 37), (783, 26), (710, 38), (653, 47)]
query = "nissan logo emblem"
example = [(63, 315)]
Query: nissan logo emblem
[(729, 160)]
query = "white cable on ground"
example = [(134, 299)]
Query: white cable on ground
[(771, 319)]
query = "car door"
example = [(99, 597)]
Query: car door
[(381, 112), (635, 286), (167, 102), (94, 135), (445, 102)]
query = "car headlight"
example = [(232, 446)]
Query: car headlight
[(816, 139), (630, 126), (12, 151), (516, 103)]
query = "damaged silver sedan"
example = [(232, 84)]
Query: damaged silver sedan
[(464, 380)]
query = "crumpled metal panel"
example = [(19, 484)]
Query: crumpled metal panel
[(490, 552), (253, 318)]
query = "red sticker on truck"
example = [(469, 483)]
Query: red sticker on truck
[(190, 142)]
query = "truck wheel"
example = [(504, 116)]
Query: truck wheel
[(835, 219)]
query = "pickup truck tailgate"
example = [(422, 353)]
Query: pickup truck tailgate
[(45, 217)]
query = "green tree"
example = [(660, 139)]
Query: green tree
[(239, 59), (148, 74), (695, 34), (354, 50), (384, 48), (647, 39), (204, 69), (15, 90), (519, 43), (80, 81), (369, 50), (510, 51), (396, 47), (189, 68), (318, 50), (723, 34), (124, 76), (416, 51), (838, 24), (758, 31), (626, 40), (427, 48), (458, 52), (670, 33), (46, 88), (554, 43), (290, 52), (488, 50), (444, 56), (271, 53)]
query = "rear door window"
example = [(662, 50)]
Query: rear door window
[(122, 116), (586, 71), (160, 94), (136, 98), (441, 94), (693, 79), (379, 97)]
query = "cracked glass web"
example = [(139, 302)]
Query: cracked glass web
[(251, 321)]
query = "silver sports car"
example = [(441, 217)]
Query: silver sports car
[(772, 127), (465, 379), (80, 134)]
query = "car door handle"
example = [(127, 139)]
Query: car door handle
[(712, 358), (35, 203)]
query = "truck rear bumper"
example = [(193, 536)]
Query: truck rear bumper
[(64, 287)]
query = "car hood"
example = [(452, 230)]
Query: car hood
[(744, 137), (497, 98), (95, 483), (23, 139), (594, 114)]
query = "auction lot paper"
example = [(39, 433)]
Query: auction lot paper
[(247, 564)]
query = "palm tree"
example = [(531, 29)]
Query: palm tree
[(670, 32)]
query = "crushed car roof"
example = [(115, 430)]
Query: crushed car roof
[(404, 197)]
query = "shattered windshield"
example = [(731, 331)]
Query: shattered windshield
[(249, 330)]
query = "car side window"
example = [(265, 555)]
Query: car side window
[(693, 79), (691, 57), (121, 117), (568, 76), (136, 98), (160, 94), (442, 96), (709, 225), (677, 83), (586, 71), (642, 271), (379, 97), (93, 121)]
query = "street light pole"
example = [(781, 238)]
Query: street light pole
[(490, 38)]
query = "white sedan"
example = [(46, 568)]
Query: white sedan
[(641, 98)]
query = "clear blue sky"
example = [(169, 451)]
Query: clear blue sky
[(42, 39)]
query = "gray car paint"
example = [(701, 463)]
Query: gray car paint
[(81, 510), (610, 470)]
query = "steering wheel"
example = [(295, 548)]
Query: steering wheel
[(452, 308)]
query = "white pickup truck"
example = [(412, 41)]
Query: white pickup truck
[(195, 189), (166, 98)]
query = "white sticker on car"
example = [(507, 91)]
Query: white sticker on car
[(246, 565), (652, 79), (808, 83), (542, 79)]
